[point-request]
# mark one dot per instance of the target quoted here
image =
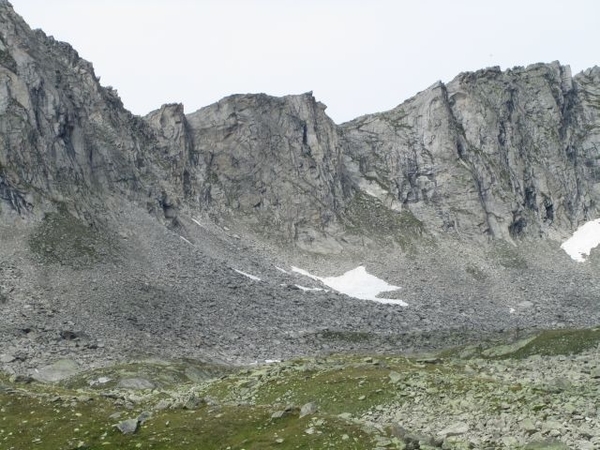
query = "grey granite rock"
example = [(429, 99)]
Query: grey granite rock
[(57, 371), (129, 426), (136, 383), (308, 409)]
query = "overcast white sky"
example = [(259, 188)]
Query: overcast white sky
[(356, 56)]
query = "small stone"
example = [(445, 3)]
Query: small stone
[(548, 444), (129, 426), (382, 441), (362, 397), (144, 416), (510, 441), (163, 404), (395, 377), (456, 429), (551, 426), (101, 380), (585, 445), (7, 358), (528, 426), (308, 408), (20, 379), (193, 402), (398, 431), (432, 360)]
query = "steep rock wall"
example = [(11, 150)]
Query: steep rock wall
[(274, 162), (492, 154), (500, 154)]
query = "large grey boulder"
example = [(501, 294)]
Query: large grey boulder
[(136, 383), (57, 371)]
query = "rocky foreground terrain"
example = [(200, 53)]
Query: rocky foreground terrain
[(537, 393), (154, 252)]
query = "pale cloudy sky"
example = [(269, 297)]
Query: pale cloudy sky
[(356, 56)]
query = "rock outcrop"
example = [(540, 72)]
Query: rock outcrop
[(274, 162), (500, 154)]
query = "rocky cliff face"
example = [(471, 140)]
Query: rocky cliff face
[(491, 154), (500, 154), (62, 132), (276, 163)]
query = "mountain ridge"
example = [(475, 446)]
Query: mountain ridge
[(509, 191)]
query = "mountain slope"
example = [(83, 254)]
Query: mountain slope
[(122, 235)]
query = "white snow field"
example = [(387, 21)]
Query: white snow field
[(583, 240), (252, 277), (357, 283)]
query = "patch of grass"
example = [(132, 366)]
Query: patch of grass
[(237, 411), (366, 215), (545, 343), (559, 342), (65, 239), (59, 420), (507, 255), (353, 390), (28, 421)]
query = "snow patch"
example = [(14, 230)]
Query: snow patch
[(307, 289), (252, 277), (585, 238), (282, 270), (357, 283), (185, 240), (374, 190), (197, 223)]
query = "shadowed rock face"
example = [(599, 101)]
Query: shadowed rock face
[(490, 154)]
